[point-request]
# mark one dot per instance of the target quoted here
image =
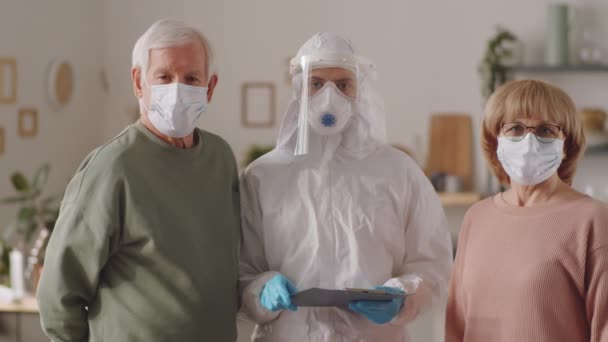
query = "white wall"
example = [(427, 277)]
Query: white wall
[(35, 32), (427, 53)]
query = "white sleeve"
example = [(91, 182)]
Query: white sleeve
[(426, 267), (253, 267)]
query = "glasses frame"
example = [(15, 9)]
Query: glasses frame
[(540, 139)]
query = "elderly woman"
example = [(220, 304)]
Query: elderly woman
[(532, 261)]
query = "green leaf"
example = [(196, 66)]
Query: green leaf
[(41, 176), (20, 183), (26, 214)]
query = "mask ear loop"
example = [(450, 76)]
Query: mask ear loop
[(302, 142)]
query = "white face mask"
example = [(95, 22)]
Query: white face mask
[(528, 161), (175, 108), (330, 110)]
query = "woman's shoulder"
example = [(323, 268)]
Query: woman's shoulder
[(595, 213), (478, 212), (587, 207), (595, 207), (481, 207)]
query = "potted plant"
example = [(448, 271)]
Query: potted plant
[(35, 219), (494, 69)]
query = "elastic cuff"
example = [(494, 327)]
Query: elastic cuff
[(418, 297), (251, 299)]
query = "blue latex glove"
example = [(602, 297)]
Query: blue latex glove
[(379, 312), (276, 294)]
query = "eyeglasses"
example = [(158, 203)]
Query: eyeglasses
[(545, 133)]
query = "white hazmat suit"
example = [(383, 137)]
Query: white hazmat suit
[(349, 212)]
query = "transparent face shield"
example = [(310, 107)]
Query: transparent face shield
[(328, 90)]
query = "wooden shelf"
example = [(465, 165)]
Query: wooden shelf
[(459, 199), (27, 305), (563, 68)]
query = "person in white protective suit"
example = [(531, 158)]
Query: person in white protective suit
[(334, 206)]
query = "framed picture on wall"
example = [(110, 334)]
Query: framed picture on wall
[(258, 107), (28, 122), (8, 80), (2, 140)]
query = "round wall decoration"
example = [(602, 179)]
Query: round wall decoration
[(60, 82)]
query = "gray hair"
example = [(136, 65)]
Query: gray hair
[(167, 33)]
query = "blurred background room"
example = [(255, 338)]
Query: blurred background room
[(65, 88)]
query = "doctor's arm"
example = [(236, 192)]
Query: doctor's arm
[(253, 267), (425, 269)]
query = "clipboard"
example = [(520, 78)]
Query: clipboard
[(316, 297)]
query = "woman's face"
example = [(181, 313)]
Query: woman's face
[(530, 159)]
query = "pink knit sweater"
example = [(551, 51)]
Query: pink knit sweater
[(531, 274)]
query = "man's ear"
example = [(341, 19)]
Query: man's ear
[(211, 87), (136, 77)]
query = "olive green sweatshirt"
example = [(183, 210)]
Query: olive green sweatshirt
[(146, 245)]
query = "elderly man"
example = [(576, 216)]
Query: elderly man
[(146, 245), (346, 211)]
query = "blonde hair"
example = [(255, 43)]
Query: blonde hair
[(534, 100)]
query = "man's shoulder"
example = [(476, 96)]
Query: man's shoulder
[(274, 163), (113, 152), (104, 166), (399, 165), (107, 158), (397, 157)]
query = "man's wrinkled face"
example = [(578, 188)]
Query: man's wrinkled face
[(185, 64)]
